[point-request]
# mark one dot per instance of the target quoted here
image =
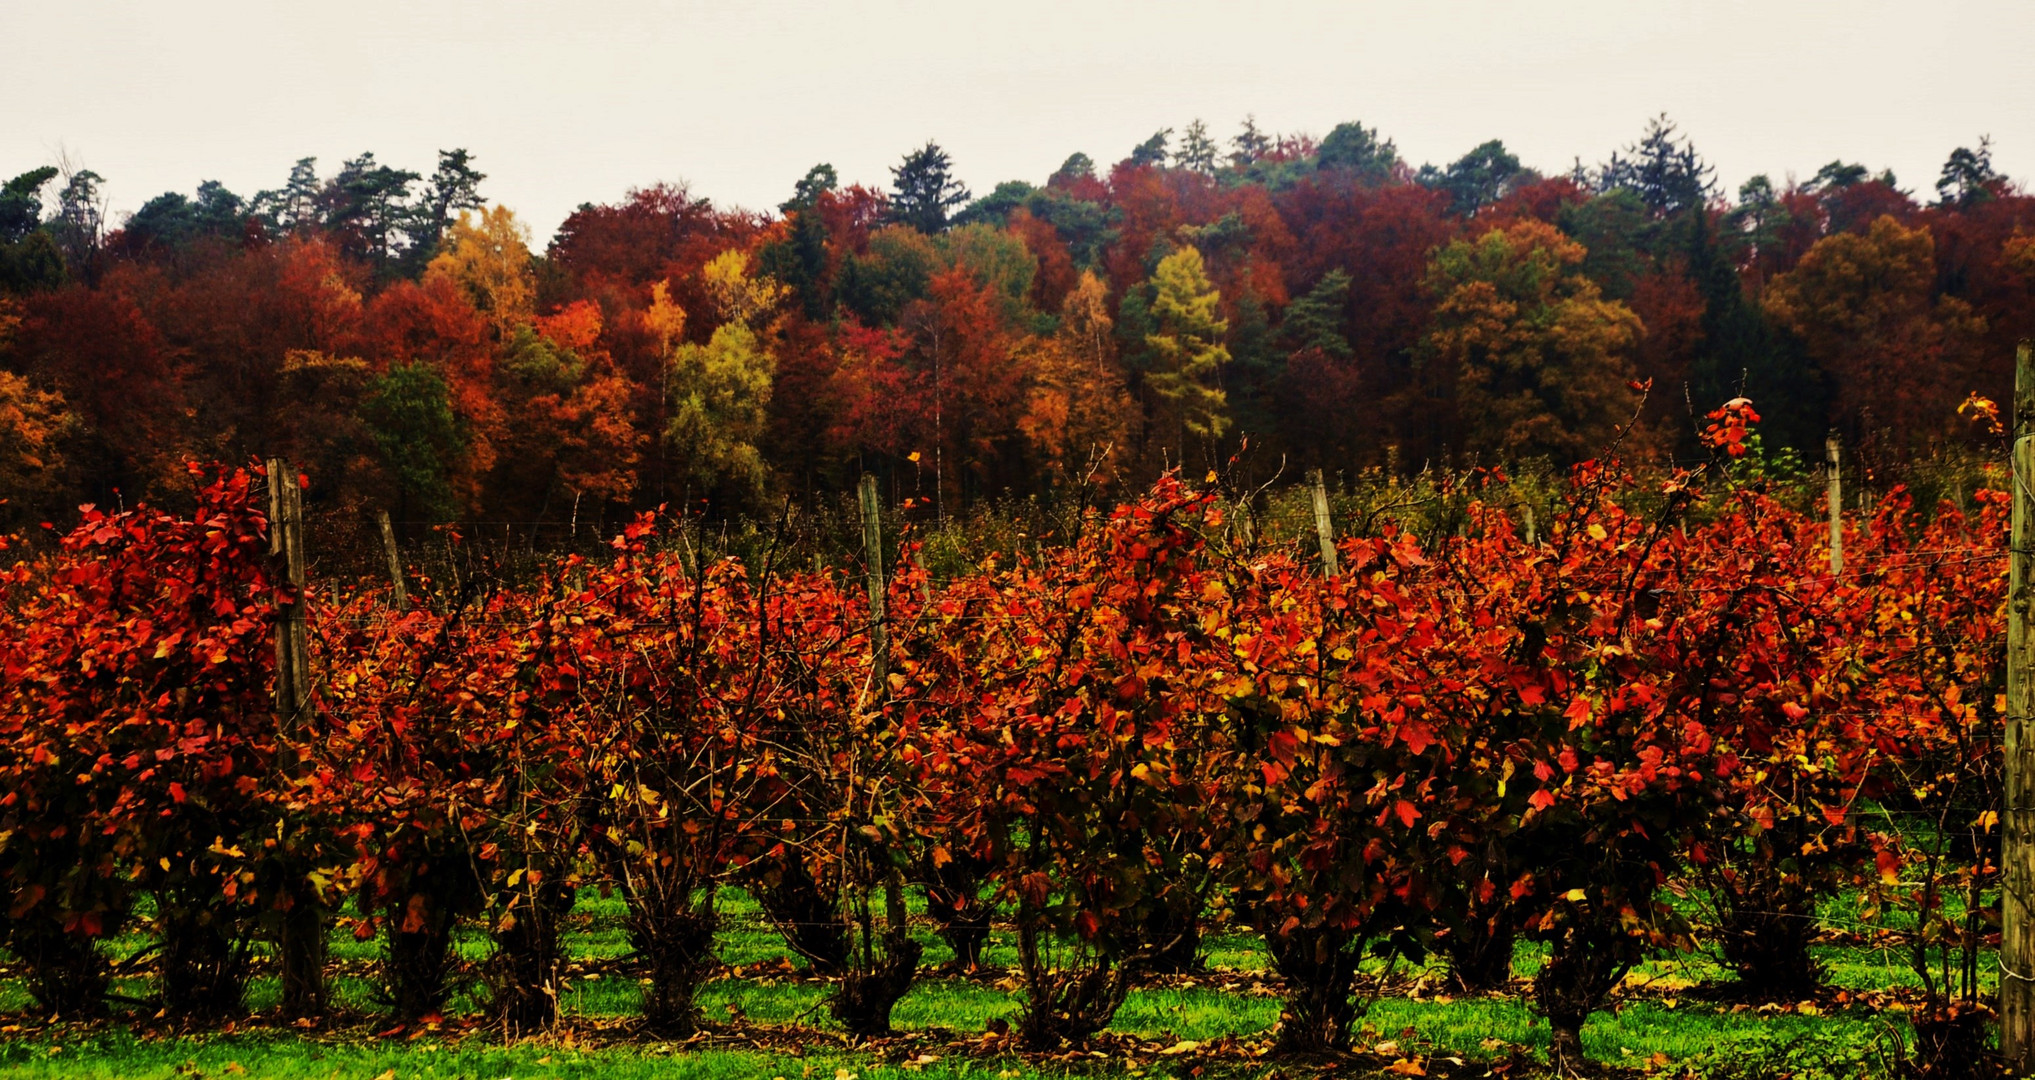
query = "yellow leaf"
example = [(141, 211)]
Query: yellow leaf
[(1596, 531), (1574, 895)]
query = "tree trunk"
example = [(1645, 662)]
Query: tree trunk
[(1480, 953), (869, 991), (807, 918), (1320, 969), (67, 974), (1065, 1005), (677, 945), (300, 951), (1174, 934), (524, 974), (417, 973), (203, 963)]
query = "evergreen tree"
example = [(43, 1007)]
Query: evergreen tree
[(1153, 150), (1667, 174), (1837, 176), (29, 259), (1741, 355), (799, 261), (408, 412), (1197, 150), (1356, 151), (452, 189), (1078, 166), (21, 204), (1315, 320), (1251, 144), (1475, 180), (367, 204), (923, 189), (294, 206), (805, 195), (1968, 176), (175, 222), (80, 221)]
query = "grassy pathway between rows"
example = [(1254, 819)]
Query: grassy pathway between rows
[(770, 1021)]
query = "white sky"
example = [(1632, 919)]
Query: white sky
[(569, 103)]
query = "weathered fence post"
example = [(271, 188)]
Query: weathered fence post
[(1835, 497), (398, 591), (872, 545), (301, 936), (286, 545), (2017, 934), (1323, 527)]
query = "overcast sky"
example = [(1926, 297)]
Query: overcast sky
[(569, 103)]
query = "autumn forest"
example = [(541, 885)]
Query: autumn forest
[(1274, 302)]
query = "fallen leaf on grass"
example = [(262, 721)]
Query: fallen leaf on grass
[(1406, 1067), (1181, 1047)]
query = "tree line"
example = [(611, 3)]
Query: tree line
[(1279, 302)]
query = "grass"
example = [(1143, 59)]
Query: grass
[(126, 1057), (774, 998)]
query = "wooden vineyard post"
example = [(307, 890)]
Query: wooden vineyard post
[(2017, 857), (1835, 497), (286, 545), (872, 546), (301, 943), (398, 592), (1323, 527)]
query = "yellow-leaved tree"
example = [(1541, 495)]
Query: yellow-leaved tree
[(1187, 353), (719, 392), (1078, 414), (488, 257), (738, 295)]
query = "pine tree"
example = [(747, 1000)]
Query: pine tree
[(1197, 150), (1251, 144), (1665, 172), (924, 189)]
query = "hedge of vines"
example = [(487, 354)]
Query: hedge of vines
[(1447, 748)]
